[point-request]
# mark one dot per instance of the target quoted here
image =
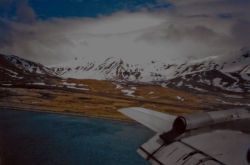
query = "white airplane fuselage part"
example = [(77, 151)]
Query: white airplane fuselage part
[(210, 138)]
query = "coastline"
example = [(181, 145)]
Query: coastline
[(69, 114)]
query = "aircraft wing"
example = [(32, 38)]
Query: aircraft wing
[(225, 146), (211, 138), (156, 121)]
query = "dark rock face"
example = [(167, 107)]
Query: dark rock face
[(211, 81), (15, 74), (28, 65)]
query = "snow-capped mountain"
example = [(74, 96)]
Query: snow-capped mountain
[(111, 69), (13, 73), (225, 71), (30, 66), (234, 62), (211, 81), (116, 68)]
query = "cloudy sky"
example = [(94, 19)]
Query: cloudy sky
[(55, 31)]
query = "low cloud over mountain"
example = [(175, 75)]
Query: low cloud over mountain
[(163, 29)]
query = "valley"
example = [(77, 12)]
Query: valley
[(102, 98), (99, 88)]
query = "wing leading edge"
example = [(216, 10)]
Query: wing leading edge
[(156, 121)]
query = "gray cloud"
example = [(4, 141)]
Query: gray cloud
[(199, 41), (188, 28), (24, 12), (241, 32), (212, 8), (5, 34), (84, 43), (185, 2), (203, 39), (172, 33)]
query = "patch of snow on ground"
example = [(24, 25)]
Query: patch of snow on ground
[(235, 89), (133, 88), (39, 71), (118, 86), (42, 83), (198, 89), (207, 81), (78, 88), (179, 84), (163, 85), (178, 97), (82, 85), (140, 97), (13, 76), (217, 81), (129, 93), (234, 96), (229, 75), (245, 76), (201, 81), (65, 83), (11, 71), (222, 101), (150, 92), (224, 83), (237, 103)]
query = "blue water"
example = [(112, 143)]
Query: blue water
[(32, 138)]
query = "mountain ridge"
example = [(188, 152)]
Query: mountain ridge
[(14, 72), (168, 73), (28, 65), (234, 62), (228, 72)]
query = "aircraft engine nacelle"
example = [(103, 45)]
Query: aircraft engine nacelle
[(193, 121)]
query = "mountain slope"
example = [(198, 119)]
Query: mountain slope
[(211, 81), (28, 65), (110, 69), (12, 73), (116, 69), (216, 73), (234, 62), (228, 72)]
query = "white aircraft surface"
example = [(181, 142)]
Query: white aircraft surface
[(210, 138)]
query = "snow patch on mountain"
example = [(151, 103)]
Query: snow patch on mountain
[(117, 69), (212, 81), (30, 66), (128, 92)]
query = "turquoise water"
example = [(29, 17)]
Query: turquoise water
[(32, 138)]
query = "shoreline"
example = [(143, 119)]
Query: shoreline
[(70, 114)]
